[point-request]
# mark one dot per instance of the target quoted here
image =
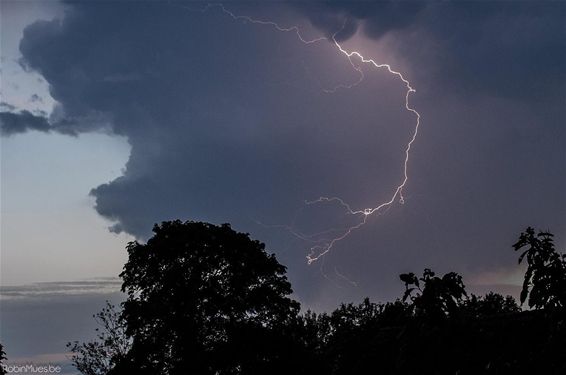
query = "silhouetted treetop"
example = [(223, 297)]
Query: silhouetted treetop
[(203, 299), (492, 304), (545, 278), (206, 300), (112, 345), (434, 296)]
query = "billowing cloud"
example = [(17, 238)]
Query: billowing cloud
[(375, 18), (229, 122), (505, 49)]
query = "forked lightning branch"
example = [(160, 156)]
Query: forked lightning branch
[(356, 59)]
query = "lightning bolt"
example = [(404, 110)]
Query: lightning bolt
[(323, 246)]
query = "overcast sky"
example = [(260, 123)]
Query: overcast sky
[(118, 115), (115, 116)]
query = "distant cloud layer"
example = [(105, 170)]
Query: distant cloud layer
[(228, 122), (49, 290), (12, 123)]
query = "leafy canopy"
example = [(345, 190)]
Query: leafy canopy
[(438, 297), (204, 299)]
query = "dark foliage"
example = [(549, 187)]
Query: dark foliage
[(442, 333), (355, 339), (492, 304), (439, 296), (2, 359), (98, 357), (545, 279), (204, 299)]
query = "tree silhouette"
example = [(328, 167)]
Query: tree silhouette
[(438, 297), (2, 359), (545, 278), (100, 356), (492, 304), (204, 299)]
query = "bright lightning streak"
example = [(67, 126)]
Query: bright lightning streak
[(294, 29), (320, 249)]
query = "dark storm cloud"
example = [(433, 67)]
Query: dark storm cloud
[(20, 122), (376, 17), (13, 123), (228, 123), (511, 49)]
